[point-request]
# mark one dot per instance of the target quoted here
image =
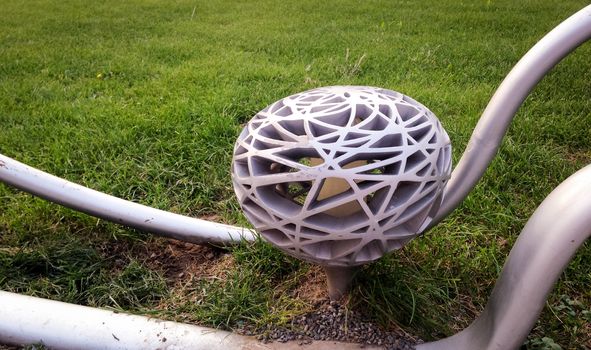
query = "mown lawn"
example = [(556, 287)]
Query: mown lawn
[(143, 100)]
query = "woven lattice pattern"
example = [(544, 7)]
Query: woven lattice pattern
[(341, 175)]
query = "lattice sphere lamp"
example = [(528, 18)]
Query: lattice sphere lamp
[(341, 175)]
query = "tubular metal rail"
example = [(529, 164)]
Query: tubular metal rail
[(544, 248), (117, 210), (546, 245)]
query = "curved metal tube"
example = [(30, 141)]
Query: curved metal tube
[(29, 320), (118, 210), (551, 237), (492, 126), (57, 325)]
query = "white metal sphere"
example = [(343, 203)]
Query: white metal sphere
[(341, 175)]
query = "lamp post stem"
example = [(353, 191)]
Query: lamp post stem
[(339, 280)]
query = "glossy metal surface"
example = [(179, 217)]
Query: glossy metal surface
[(492, 126), (544, 248), (558, 227)]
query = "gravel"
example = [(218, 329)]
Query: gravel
[(334, 322)]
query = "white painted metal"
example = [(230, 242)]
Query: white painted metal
[(28, 320), (553, 234), (118, 210), (341, 175), (544, 248), (57, 325), (492, 125)]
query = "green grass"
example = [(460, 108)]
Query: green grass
[(143, 100)]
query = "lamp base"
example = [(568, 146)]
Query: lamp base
[(339, 280)]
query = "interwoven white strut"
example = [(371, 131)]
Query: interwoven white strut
[(341, 175)]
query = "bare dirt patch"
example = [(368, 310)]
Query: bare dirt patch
[(183, 263), (178, 261), (578, 157), (312, 287)]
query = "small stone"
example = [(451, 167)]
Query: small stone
[(334, 322)]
